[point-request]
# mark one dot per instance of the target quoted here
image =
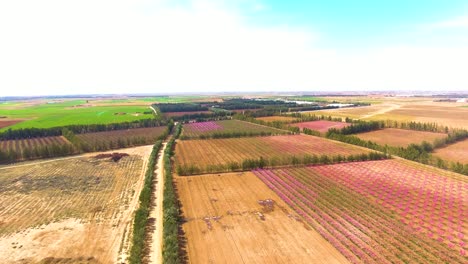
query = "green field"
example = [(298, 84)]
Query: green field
[(45, 115)]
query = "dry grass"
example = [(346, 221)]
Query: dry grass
[(225, 223), (399, 137), (76, 208)]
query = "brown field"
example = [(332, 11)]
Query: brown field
[(457, 152), (400, 137), (220, 152), (226, 224), (276, 118), (77, 208), (130, 137), (9, 122)]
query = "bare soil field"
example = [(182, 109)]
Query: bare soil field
[(72, 210), (235, 218), (9, 122), (276, 118), (457, 152), (400, 137)]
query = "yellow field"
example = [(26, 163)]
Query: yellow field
[(225, 223)]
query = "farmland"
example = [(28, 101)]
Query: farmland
[(6, 123), (226, 222), (41, 147), (216, 154), (121, 138), (225, 128), (400, 137), (76, 208), (321, 126), (456, 152), (380, 211), (74, 112), (445, 114)]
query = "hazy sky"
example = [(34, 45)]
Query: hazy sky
[(117, 46)]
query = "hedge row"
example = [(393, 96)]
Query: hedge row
[(171, 248)]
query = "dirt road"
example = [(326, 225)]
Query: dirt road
[(156, 213)]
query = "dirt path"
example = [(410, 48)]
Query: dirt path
[(390, 107), (154, 110), (156, 213)]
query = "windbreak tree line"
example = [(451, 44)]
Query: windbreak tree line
[(25, 133), (272, 162)]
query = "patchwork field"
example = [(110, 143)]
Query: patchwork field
[(390, 211), (276, 118), (78, 208), (322, 125), (216, 154), (122, 138), (214, 128), (235, 218), (399, 137), (457, 152)]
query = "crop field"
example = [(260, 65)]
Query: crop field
[(322, 125), (220, 152), (451, 115), (457, 152), (127, 137), (388, 211), (276, 118), (353, 112), (75, 112), (400, 137), (20, 145), (235, 218), (210, 128), (78, 208)]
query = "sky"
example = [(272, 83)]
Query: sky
[(54, 47)]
